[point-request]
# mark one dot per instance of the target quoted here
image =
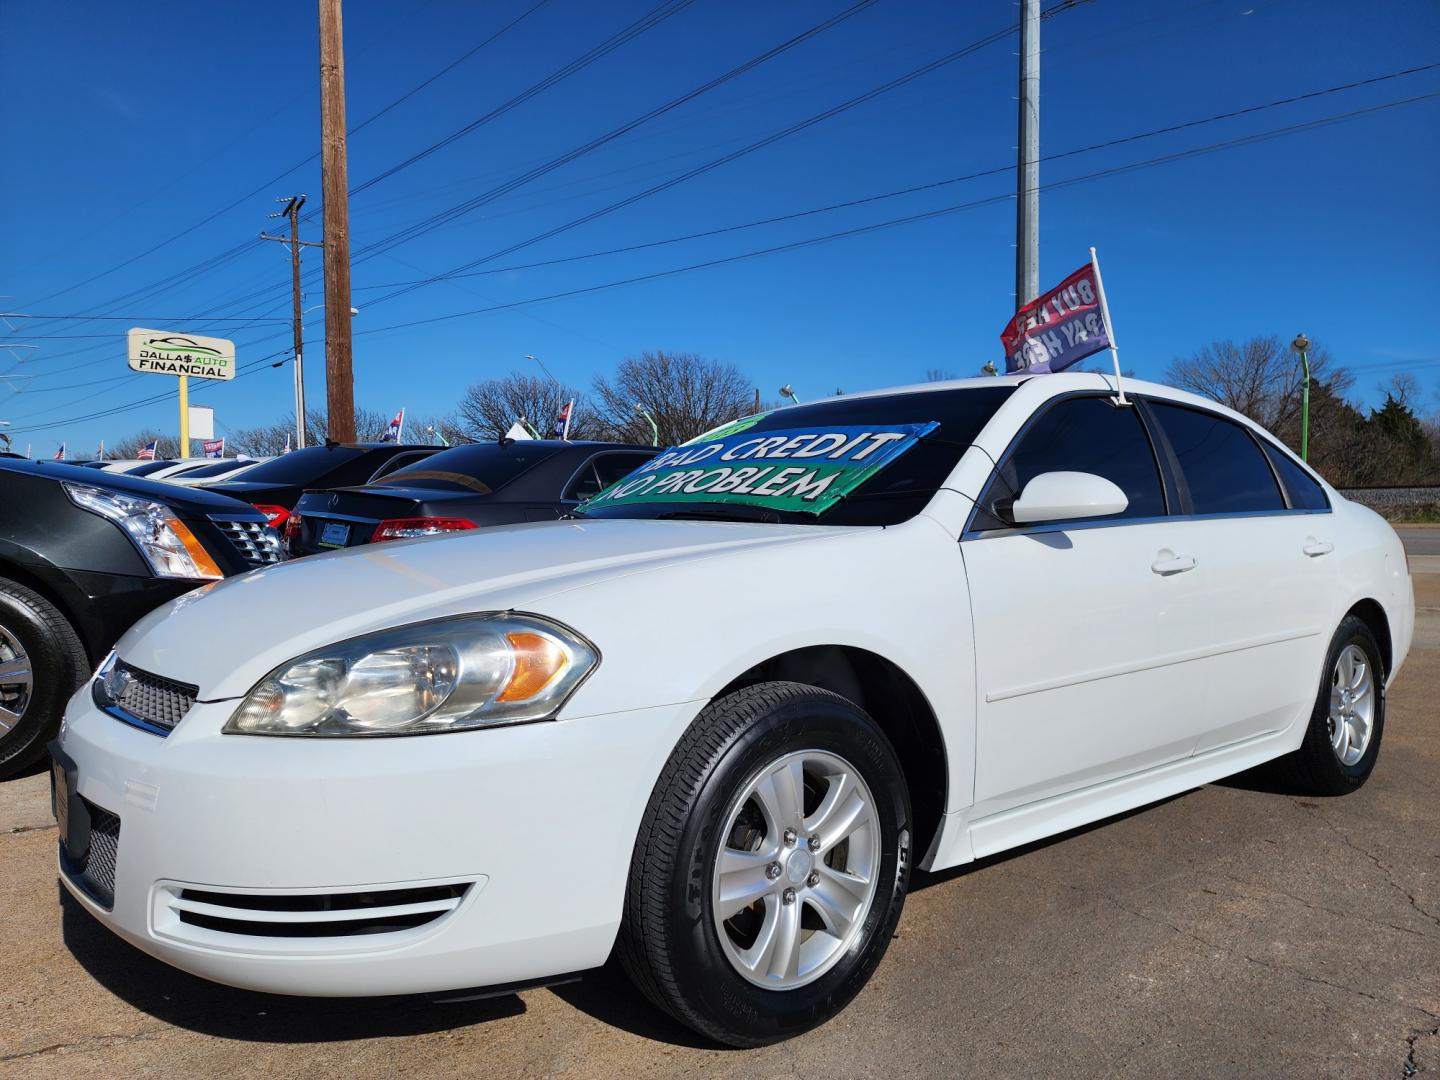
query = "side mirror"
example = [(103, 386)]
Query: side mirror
[(1063, 496)]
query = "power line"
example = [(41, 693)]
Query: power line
[(917, 188), (293, 168), (922, 216)]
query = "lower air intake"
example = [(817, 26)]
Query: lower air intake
[(316, 915)]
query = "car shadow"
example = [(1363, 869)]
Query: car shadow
[(208, 1008), (608, 996), (921, 880)]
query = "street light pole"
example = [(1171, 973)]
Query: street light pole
[(1301, 344), (654, 427), (1027, 172)]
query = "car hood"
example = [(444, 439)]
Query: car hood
[(225, 637)]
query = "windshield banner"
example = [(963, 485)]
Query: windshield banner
[(807, 470)]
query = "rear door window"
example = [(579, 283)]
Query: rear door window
[(603, 470), (1081, 434), (1304, 493), (1222, 464)]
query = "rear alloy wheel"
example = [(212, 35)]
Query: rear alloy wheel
[(1343, 739), (771, 867), (41, 664)]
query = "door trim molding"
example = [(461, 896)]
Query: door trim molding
[(1167, 660)]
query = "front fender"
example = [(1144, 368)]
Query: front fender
[(682, 633)]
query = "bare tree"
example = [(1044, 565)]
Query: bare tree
[(167, 446), (686, 394), (1260, 378), (489, 408), (936, 374)]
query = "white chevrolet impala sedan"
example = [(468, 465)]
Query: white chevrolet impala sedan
[(709, 723)]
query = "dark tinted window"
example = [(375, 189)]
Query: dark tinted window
[(150, 467), (1090, 435), (303, 466), (901, 489), (216, 468), (478, 467), (1224, 468), (398, 462), (1304, 492), (602, 471)]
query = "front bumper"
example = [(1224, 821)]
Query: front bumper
[(477, 859)]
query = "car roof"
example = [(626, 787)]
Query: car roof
[(139, 486)]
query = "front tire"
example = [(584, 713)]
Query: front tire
[(771, 867), (1342, 741), (41, 664)]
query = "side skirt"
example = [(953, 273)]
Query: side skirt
[(963, 840)]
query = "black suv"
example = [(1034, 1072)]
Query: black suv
[(84, 554)]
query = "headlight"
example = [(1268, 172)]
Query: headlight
[(448, 675), (165, 541)]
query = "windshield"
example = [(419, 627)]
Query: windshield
[(303, 466), (475, 467), (851, 461)]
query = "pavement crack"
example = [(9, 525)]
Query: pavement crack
[(16, 830), (94, 1042), (1389, 876), (1410, 1067)]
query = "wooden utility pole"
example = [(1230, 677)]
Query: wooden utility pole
[(292, 211), (339, 375)]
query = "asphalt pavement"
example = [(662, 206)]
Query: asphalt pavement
[(1233, 930)]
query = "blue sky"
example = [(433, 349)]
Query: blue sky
[(128, 123)]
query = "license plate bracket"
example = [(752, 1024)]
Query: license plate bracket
[(334, 534), (71, 813)]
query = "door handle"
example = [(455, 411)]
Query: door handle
[(1167, 563), (1315, 548)]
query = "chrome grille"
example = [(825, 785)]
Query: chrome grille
[(257, 543), (153, 699)]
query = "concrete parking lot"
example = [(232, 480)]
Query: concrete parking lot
[(1235, 929)]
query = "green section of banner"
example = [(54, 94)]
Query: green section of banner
[(795, 470)]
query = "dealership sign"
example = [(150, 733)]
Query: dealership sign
[(807, 470), (161, 352)]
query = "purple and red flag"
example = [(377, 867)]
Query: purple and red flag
[(1058, 328)]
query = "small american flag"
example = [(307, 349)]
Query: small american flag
[(147, 452)]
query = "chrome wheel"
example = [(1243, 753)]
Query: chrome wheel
[(1352, 705), (796, 872), (17, 682)]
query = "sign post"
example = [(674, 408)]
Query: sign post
[(161, 352)]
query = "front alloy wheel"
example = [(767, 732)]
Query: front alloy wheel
[(17, 681), (771, 866), (795, 876)]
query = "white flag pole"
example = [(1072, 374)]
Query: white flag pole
[(400, 434), (1109, 328), (569, 414)]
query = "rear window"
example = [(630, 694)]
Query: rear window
[(475, 467), (151, 467), (1224, 468), (303, 466), (216, 468)]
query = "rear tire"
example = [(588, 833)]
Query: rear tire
[(1342, 741), (42, 663), (816, 917)]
